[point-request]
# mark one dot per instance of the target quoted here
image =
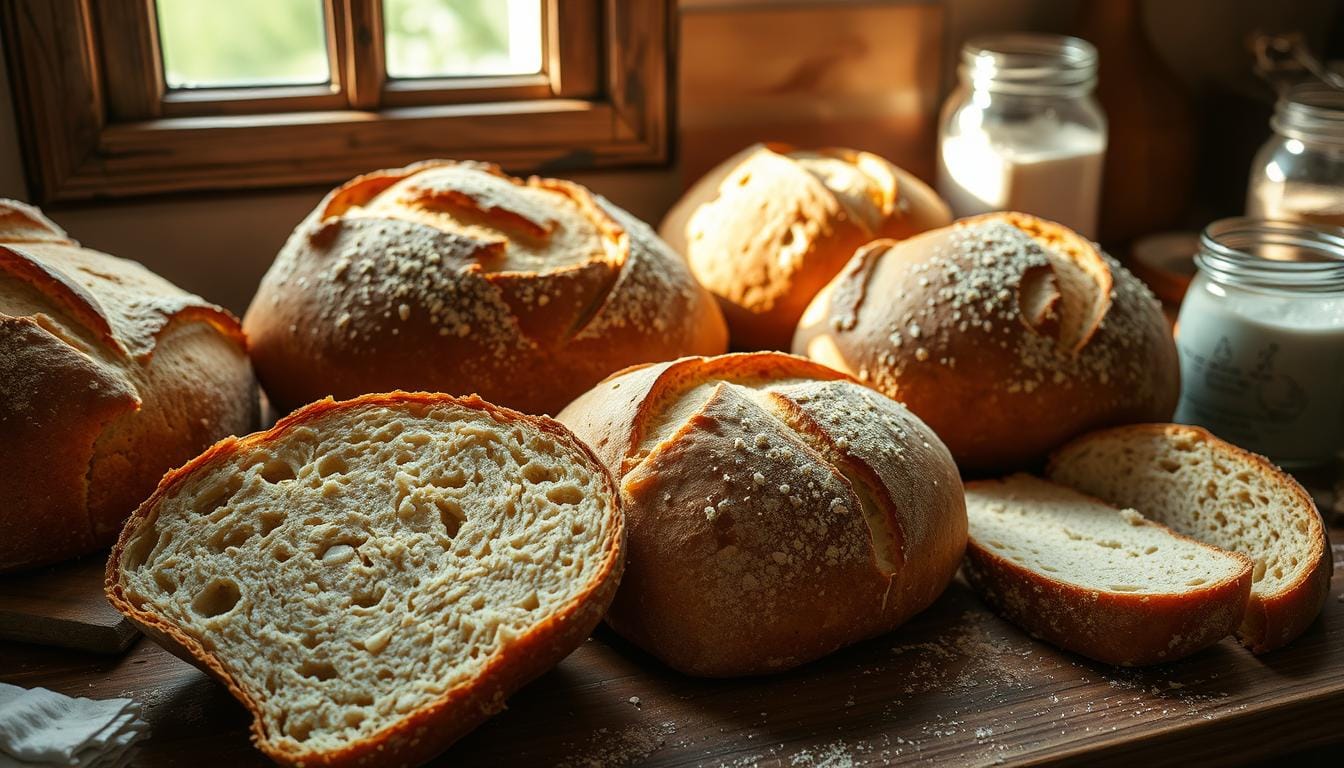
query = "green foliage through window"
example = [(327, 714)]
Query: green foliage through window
[(219, 43)]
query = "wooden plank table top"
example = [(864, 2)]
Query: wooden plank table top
[(955, 686)]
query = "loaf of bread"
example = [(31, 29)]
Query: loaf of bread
[(454, 277), (109, 376), (1005, 333), (767, 228), (777, 510), (373, 578), (1101, 582), (1213, 491)]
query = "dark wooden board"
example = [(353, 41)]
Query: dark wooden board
[(956, 686), (63, 605)]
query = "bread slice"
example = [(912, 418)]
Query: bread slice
[(1102, 582), (372, 578), (1186, 478)]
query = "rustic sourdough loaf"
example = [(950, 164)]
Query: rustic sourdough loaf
[(1098, 581), (1005, 333), (372, 578), (777, 510), (109, 375), (1211, 490), (454, 277), (767, 228)]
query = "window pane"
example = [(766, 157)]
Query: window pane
[(220, 43), (455, 38)]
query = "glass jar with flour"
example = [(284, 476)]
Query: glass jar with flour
[(1298, 174), (1022, 131), (1261, 339)]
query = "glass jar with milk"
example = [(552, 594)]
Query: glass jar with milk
[(1022, 131), (1298, 174), (1261, 339)]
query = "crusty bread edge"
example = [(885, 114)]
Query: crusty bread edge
[(1277, 621), (431, 728), (1147, 628)]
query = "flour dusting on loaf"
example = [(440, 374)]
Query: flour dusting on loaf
[(777, 509), (456, 277), (1005, 333)]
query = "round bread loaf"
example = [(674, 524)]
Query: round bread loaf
[(767, 228), (776, 510), (454, 277), (1005, 333), (109, 376)]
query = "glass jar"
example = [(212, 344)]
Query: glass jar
[(1261, 339), (1022, 131), (1298, 175)]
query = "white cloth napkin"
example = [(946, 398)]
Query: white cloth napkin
[(42, 727)]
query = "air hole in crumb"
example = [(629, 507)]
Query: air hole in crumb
[(530, 603), (450, 515), (1169, 465), (367, 598), (1125, 587), (564, 494), (219, 597), (270, 520), (577, 529), (1194, 582), (318, 670), (281, 553), (310, 641), (165, 582), (277, 471), (332, 465), (138, 552), (301, 732), (230, 536), (744, 180), (534, 472), (213, 498)]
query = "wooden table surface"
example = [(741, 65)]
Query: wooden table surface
[(956, 686)]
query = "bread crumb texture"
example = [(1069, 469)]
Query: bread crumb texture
[(1185, 478), (1074, 539), (358, 567)]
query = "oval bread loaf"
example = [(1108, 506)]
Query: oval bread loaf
[(454, 277), (777, 510), (1005, 333), (109, 376), (373, 578), (1102, 582), (767, 228), (1213, 491)]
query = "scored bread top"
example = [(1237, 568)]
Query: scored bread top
[(90, 416), (373, 577), (1206, 488), (778, 510), (528, 291), (770, 226), (1042, 334), (1069, 537)]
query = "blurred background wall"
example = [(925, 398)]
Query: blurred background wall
[(869, 74)]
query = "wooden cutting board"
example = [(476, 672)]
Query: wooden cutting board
[(63, 606), (956, 686)]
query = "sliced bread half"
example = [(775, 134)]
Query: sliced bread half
[(372, 578), (1186, 478), (1101, 582)]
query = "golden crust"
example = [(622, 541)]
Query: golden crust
[(1272, 621), (1006, 334), (767, 228), (769, 529), (112, 375), (432, 728), (410, 278)]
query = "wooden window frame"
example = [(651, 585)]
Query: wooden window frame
[(92, 126)]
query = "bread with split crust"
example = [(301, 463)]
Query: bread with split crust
[(777, 509)]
